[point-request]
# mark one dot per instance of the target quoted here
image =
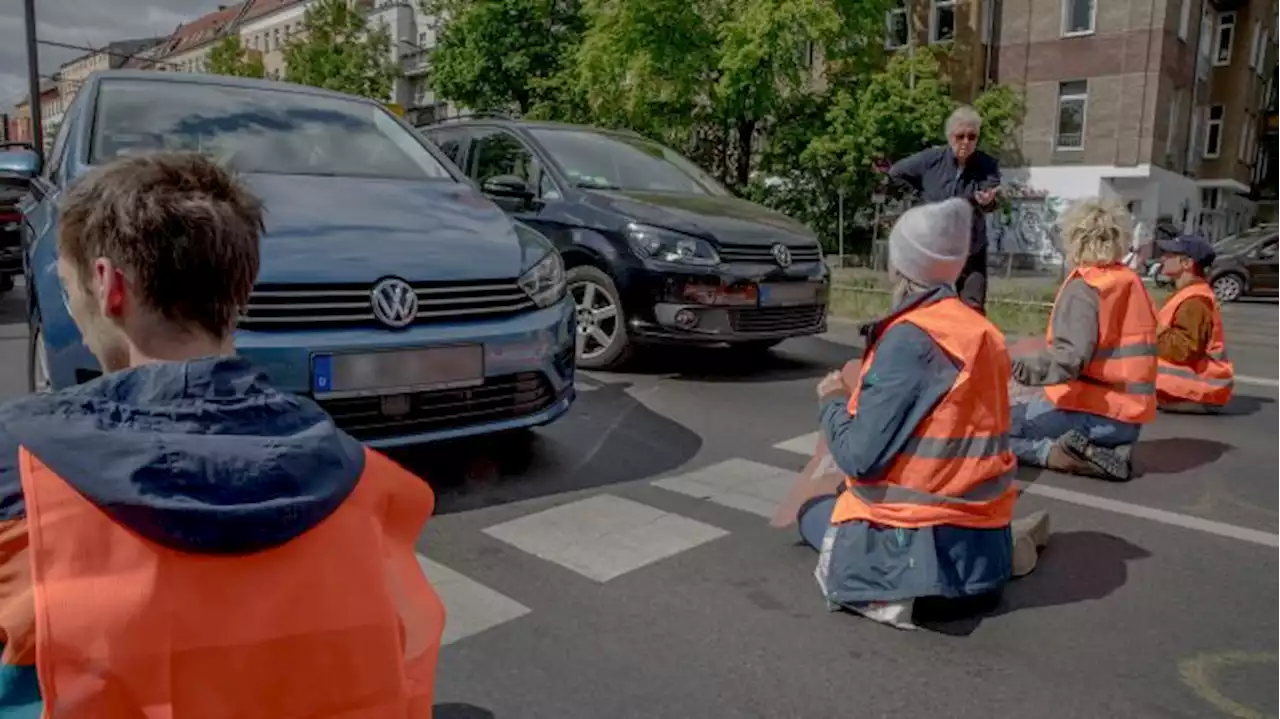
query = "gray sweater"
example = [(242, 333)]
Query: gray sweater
[(1075, 337)]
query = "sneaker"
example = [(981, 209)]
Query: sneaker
[(894, 614), (1034, 525), (1025, 555), (1115, 464), (1063, 459)]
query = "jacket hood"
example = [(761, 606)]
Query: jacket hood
[(201, 456)]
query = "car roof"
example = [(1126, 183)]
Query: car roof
[(514, 123), (190, 78)]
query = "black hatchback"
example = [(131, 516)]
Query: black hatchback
[(656, 250)]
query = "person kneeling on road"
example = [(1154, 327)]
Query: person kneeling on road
[(179, 538), (926, 506), (1098, 369), (1194, 373)]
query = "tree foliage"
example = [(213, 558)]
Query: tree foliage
[(229, 57), (337, 50)]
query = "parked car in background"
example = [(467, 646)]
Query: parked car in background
[(13, 187), (656, 250), (411, 307), (1246, 265)]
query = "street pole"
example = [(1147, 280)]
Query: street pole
[(33, 80), (840, 224)]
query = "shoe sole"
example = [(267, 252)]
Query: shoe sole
[(1112, 466), (1038, 530)]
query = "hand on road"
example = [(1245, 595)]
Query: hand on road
[(986, 197), (831, 384)]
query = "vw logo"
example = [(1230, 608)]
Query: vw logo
[(782, 255), (395, 304)]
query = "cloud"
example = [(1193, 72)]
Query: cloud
[(88, 24)]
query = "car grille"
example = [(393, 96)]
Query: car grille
[(499, 398), (280, 307), (777, 319), (763, 254)]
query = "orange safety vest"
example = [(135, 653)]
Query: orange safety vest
[(1210, 379), (957, 468), (1119, 381), (339, 622)]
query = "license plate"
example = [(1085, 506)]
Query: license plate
[(788, 294), (397, 371)]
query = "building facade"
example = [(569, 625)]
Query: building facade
[(52, 108), (71, 75)]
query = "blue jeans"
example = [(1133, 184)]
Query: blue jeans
[(1037, 424), (814, 518)]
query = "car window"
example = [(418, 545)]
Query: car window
[(619, 162), (495, 152), (57, 153), (1242, 241), (449, 142), (259, 130)]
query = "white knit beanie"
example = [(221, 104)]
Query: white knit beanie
[(930, 243)]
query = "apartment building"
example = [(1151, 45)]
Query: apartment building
[(71, 75), (413, 36), (52, 109), (267, 27)]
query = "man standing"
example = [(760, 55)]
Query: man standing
[(188, 540), (1194, 373), (958, 169)]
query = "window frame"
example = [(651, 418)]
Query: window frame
[(1254, 44), (1184, 21), (476, 136), (1220, 25), (1175, 112), (933, 20), (888, 27), (1242, 142), (1057, 116), (1209, 124), (1066, 15)]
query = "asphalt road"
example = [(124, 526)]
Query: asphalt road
[(620, 564)]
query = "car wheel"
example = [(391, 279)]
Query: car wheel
[(1228, 288), (602, 326), (38, 378)]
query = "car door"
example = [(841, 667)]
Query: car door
[(40, 214), (1264, 268)]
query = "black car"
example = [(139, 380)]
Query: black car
[(12, 190), (657, 251), (1246, 265)]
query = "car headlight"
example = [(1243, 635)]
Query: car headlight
[(544, 282), (668, 246)]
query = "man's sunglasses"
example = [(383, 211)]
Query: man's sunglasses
[(970, 136)]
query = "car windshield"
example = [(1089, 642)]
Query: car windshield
[(617, 162), (258, 130), (1244, 240)]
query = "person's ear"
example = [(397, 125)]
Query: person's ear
[(112, 287)]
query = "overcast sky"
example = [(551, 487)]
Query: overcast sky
[(91, 23)]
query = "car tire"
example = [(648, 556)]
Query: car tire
[(1228, 287), (38, 379), (602, 340)]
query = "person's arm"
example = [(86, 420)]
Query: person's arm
[(988, 180), (1187, 337), (908, 376), (1075, 338), (910, 171)]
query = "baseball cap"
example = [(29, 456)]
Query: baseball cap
[(1193, 245)]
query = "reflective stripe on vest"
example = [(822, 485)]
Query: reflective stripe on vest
[(957, 468), (338, 622), (1208, 380), (1119, 381)]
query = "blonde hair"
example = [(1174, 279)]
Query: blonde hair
[(1096, 232)]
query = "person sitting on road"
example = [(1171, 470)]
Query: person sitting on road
[(926, 506), (1194, 373), (177, 537), (1098, 369)]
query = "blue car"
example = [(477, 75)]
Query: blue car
[(391, 290)]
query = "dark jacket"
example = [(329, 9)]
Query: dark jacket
[(202, 456), (936, 175), (907, 378)]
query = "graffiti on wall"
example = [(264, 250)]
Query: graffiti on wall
[(1027, 225)]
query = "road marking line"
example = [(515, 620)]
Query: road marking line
[(470, 607), (1263, 381), (806, 444), (735, 483)]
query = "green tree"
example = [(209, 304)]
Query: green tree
[(337, 50), (229, 57), (506, 54)]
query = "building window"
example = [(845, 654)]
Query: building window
[(1213, 132), (1077, 17), (897, 30), (1226, 38), (1184, 20), (1073, 102), (1175, 110), (942, 21)]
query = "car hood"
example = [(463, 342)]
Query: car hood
[(356, 230), (723, 218)]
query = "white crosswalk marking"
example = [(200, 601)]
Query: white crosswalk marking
[(603, 537), (470, 607), (737, 483), (805, 444)]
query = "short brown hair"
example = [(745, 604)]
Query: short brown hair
[(184, 227)]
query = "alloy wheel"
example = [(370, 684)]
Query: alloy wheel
[(597, 318), (1228, 288)]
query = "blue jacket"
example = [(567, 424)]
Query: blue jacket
[(907, 378), (202, 456)]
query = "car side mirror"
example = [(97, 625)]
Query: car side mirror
[(18, 162), (507, 186)]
